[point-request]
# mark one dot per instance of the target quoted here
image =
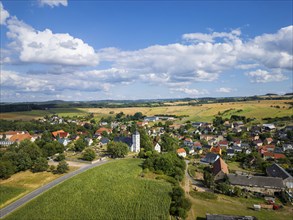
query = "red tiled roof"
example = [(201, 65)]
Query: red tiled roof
[(181, 150), (100, 130), (20, 137), (216, 150), (220, 165), (55, 133)]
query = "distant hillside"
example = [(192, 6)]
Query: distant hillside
[(28, 106)]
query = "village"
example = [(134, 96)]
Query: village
[(231, 157)]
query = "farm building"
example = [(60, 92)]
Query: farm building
[(261, 184), (220, 169), (277, 171)]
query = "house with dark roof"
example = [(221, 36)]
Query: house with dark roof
[(228, 217), (230, 152), (276, 170), (104, 141), (260, 184), (220, 169), (210, 158)]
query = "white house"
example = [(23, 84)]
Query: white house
[(158, 147), (181, 152)]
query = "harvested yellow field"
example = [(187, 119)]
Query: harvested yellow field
[(206, 112)]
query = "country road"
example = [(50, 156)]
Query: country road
[(13, 206)]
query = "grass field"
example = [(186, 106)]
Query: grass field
[(206, 112), (22, 183), (112, 191), (36, 114), (202, 204)]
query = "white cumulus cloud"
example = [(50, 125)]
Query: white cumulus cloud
[(53, 3), (224, 90), (48, 47), (3, 14), (263, 76), (190, 92)]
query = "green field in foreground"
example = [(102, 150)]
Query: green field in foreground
[(112, 191), (7, 193), (24, 182)]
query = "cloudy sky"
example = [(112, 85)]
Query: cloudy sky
[(93, 50)]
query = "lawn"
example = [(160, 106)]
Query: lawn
[(202, 204), (112, 191), (23, 183)]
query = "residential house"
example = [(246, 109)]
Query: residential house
[(266, 148), (20, 137), (230, 152), (223, 144), (220, 169), (196, 124), (276, 170), (181, 152), (258, 143), (104, 141), (268, 141), (157, 147), (142, 123), (8, 134), (260, 184), (151, 118), (236, 148), (228, 217), (6, 143), (197, 145), (273, 155), (103, 129), (89, 141), (60, 134), (216, 150), (268, 127), (188, 142), (288, 147), (210, 158), (64, 141)]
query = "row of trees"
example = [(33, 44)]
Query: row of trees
[(28, 156)]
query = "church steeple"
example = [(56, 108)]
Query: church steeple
[(135, 142)]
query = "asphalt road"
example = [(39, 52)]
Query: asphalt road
[(13, 206)]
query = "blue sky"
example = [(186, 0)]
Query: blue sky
[(91, 50)]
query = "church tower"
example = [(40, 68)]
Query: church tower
[(135, 142)]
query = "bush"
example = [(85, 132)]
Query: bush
[(89, 154), (60, 157), (6, 169), (62, 167), (40, 165)]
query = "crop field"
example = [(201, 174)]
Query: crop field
[(202, 204), (206, 112), (112, 191), (22, 183)]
